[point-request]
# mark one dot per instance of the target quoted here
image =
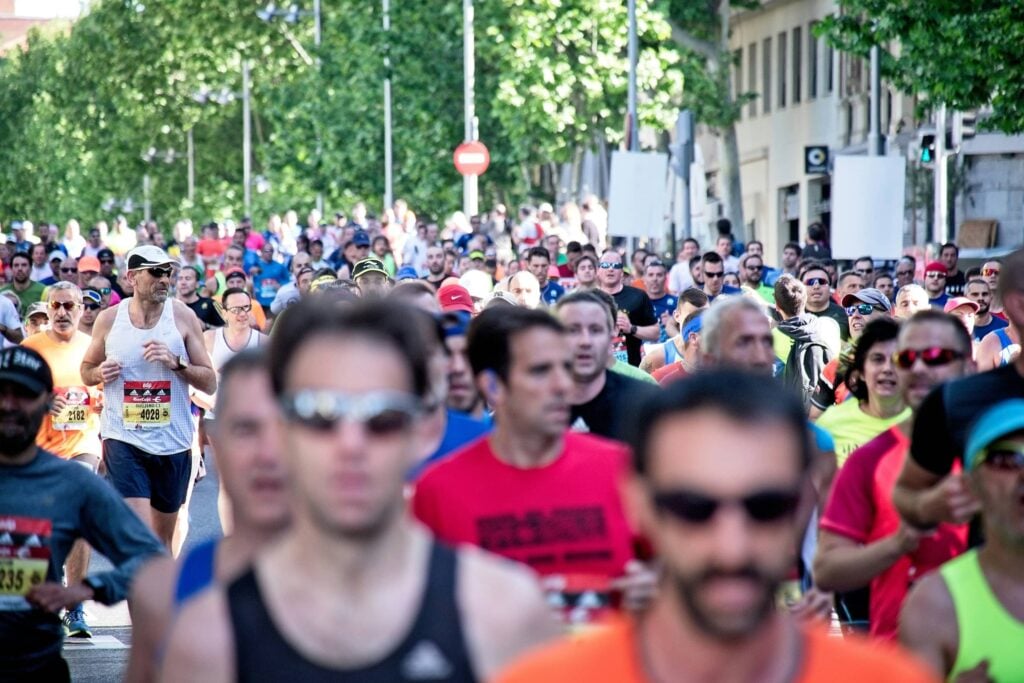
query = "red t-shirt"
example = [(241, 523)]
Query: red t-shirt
[(667, 374), (860, 508), (565, 520)]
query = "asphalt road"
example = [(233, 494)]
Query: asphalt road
[(102, 659)]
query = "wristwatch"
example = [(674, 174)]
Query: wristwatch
[(182, 364), (632, 330)]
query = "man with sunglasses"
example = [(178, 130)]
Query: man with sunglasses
[(751, 277), (147, 351), (819, 297), (935, 274), (355, 588), (719, 463), (863, 542), (635, 322), (91, 307), (905, 269), (70, 429), (105, 258), (965, 620), (713, 272)]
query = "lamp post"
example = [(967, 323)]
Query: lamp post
[(470, 186)]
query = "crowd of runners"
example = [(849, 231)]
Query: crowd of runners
[(509, 448)]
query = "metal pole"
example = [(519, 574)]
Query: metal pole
[(317, 36), (146, 208), (388, 161), (246, 139), (191, 167), (470, 200), (941, 158), (633, 144), (874, 132), (316, 23)]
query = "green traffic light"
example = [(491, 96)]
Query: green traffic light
[(926, 156)]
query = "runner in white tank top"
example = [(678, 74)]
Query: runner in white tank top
[(224, 342), (147, 351)]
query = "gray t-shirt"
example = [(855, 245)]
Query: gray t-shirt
[(44, 507)]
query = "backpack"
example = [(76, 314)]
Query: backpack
[(806, 359)]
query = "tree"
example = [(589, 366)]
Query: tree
[(962, 53)]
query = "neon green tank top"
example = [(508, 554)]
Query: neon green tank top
[(987, 630)]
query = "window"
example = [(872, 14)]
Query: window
[(752, 77), (766, 76), (812, 63), (782, 70), (797, 63)]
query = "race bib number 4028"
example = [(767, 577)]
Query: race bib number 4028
[(24, 559), (147, 405)]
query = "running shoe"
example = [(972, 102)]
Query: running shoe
[(74, 624)]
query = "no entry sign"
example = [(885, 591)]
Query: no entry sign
[(471, 158)]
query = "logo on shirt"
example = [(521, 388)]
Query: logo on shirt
[(426, 662)]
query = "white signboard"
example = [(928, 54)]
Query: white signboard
[(868, 207), (638, 197)]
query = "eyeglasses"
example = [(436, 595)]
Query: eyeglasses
[(714, 276), (935, 275), (92, 307), (239, 310), (106, 260), (69, 270), (160, 272), (865, 271), (1003, 456), (692, 507), (904, 273), (104, 291), (608, 264), (755, 267), (863, 309), (66, 305), (990, 272), (382, 413), (933, 356), (815, 281)]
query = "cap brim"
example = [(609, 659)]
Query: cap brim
[(370, 270), (147, 266), (21, 380)]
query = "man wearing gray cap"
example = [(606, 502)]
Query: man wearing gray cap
[(147, 351)]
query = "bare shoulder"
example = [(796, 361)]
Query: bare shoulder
[(104, 321), (503, 609), (152, 587), (200, 648), (928, 610)]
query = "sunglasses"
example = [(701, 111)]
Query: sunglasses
[(863, 309), (933, 356), (69, 270), (104, 291), (866, 271), (935, 275), (1003, 456), (904, 273), (106, 260), (92, 307), (815, 281), (989, 272), (607, 264), (66, 305), (382, 413), (755, 267), (714, 276), (764, 507), (160, 272), (239, 310)]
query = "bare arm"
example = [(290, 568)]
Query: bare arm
[(12, 334), (843, 564), (201, 647), (96, 367), (199, 372), (987, 354), (928, 625), (648, 332), (654, 359), (151, 608), (924, 499)]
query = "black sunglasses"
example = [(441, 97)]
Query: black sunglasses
[(106, 260), (769, 505), (609, 264), (863, 309), (714, 275), (815, 281), (160, 272), (933, 356), (69, 270), (92, 307)]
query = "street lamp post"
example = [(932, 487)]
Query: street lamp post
[(470, 186), (388, 161)]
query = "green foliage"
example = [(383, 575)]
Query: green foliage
[(963, 53), (79, 108)]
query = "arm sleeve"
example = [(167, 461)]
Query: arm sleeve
[(932, 446), (849, 510), (110, 527)]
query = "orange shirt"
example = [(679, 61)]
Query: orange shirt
[(607, 654), (77, 429)]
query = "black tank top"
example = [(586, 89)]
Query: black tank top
[(433, 650)]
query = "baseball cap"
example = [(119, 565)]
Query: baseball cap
[(406, 273), (105, 253), (998, 421), (958, 301), (500, 297), (476, 255), (92, 295), (361, 238), (477, 283), (88, 263), (936, 266), (868, 295), (369, 265), (35, 309), (25, 367), (56, 255), (146, 256), (455, 298), (232, 272)]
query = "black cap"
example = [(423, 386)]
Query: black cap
[(369, 265), (25, 367), (104, 253)]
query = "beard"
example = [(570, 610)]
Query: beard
[(725, 627), (18, 429)]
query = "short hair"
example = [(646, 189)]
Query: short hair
[(325, 272), (972, 272), (590, 296), (757, 242), (950, 245), (816, 231), (489, 340), (977, 280), (405, 290), (384, 321), (654, 264), (21, 254), (246, 361), (694, 240), (1011, 275), (711, 323), (846, 275), (233, 290), (738, 395), (573, 247), (795, 247), (317, 243), (912, 288), (909, 259), (724, 227), (710, 257), (875, 332), (965, 344), (63, 286), (538, 251), (586, 257), (808, 266), (865, 258), (790, 296), (693, 296), (695, 261), (882, 274), (590, 248)]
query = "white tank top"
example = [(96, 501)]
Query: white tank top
[(222, 352), (147, 406)]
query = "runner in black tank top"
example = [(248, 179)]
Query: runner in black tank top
[(434, 649)]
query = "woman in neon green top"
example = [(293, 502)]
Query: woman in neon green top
[(876, 401)]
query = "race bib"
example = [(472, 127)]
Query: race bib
[(580, 600), (75, 413), (268, 288), (620, 350), (24, 559), (147, 405)]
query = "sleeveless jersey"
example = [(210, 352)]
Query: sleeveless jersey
[(671, 353), (222, 352), (1008, 350), (196, 572), (987, 630), (147, 406), (434, 649)]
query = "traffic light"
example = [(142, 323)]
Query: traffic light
[(965, 127), (926, 143)]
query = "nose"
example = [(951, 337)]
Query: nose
[(730, 537)]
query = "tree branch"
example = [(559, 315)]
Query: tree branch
[(685, 39)]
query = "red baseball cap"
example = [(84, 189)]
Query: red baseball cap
[(936, 267), (232, 272), (958, 301), (455, 298)]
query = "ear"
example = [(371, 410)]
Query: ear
[(489, 386), (637, 505)]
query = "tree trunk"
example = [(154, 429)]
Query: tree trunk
[(729, 172)]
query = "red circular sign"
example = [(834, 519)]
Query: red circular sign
[(471, 158)]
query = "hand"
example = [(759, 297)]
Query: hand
[(638, 585), (52, 596), (814, 605), (58, 404), (979, 674), (157, 352), (622, 323), (110, 370), (669, 323), (907, 537), (951, 500)]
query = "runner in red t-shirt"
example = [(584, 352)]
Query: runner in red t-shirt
[(532, 491), (863, 540)]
